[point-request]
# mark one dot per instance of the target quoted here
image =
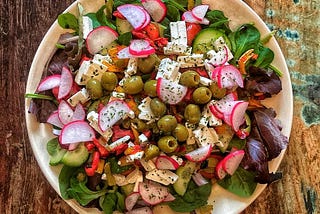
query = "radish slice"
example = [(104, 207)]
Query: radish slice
[(112, 113), (100, 38), (53, 119), (125, 54), (200, 11), (65, 112), (76, 132), (66, 83), (200, 154), (169, 198), (144, 210), (131, 200), (79, 113), (215, 112), (156, 8), (188, 17), (140, 47), (148, 18), (170, 92), (135, 15), (221, 173), (166, 162), (237, 115), (49, 82), (199, 179), (232, 161), (152, 193), (229, 77)]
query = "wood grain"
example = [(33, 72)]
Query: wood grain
[(24, 189)]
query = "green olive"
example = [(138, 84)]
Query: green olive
[(181, 133), (109, 81), (167, 123), (168, 144), (202, 95), (216, 91), (146, 65), (151, 151), (150, 88), (133, 85), (139, 125), (190, 78), (94, 89), (158, 108), (192, 113)]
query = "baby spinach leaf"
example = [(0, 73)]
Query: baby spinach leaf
[(109, 203), (241, 183), (117, 3), (116, 168), (218, 20), (68, 21), (244, 38), (194, 197), (64, 180), (265, 57), (124, 39), (120, 202), (173, 13), (179, 4)]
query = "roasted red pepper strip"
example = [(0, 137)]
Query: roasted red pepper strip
[(119, 133), (90, 170), (89, 146), (102, 150), (118, 15)]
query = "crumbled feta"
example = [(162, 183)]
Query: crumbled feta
[(145, 110), (81, 96), (193, 60), (147, 165), (88, 70), (132, 67), (87, 26), (92, 117), (178, 32), (205, 81), (162, 176), (190, 128), (118, 142), (220, 44), (169, 69), (178, 49), (205, 136), (143, 138), (207, 117), (135, 156)]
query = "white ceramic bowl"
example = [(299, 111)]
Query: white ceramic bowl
[(238, 13)]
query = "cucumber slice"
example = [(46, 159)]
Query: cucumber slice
[(123, 26), (76, 157), (205, 39), (55, 151), (184, 172)]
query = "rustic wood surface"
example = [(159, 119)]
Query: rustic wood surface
[(24, 189)]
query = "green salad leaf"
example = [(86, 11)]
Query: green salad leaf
[(125, 38), (68, 21), (241, 183), (218, 20)]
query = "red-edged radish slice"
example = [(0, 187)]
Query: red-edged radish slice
[(229, 77), (66, 83), (76, 132), (221, 173), (112, 113), (140, 47), (237, 117), (134, 14), (131, 200), (49, 82), (99, 38), (169, 198), (170, 92), (215, 112), (188, 17), (232, 161), (65, 112), (144, 210), (54, 119), (156, 8), (148, 18), (152, 193), (224, 103), (200, 11), (199, 179), (125, 54), (220, 57), (199, 154), (166, 162), (79, 113)]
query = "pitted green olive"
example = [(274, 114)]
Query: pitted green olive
[(181, 133), (151, 151), (150, 88), (158, 108), (192, 113), (167, 123), (168, 144), (109, 81), (190, 78), (146, 65), (94, 89), (139, 125), (133, 85), (201, 95), (216, 91)]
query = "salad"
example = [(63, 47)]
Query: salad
[(152, 102)]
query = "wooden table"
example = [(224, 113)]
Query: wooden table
[(24, 189)]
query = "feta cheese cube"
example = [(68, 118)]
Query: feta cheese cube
[(205, 136), (118, 142), (145, 110), (191, 61), (168, 69), (147, 165), (88, 70), (162, 176), (207, 117), (132, 67), (191, 139), (92, 117), (177, 49), (178, 32), (220, 44), (136, 156), (205, 81), (81, 96)]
